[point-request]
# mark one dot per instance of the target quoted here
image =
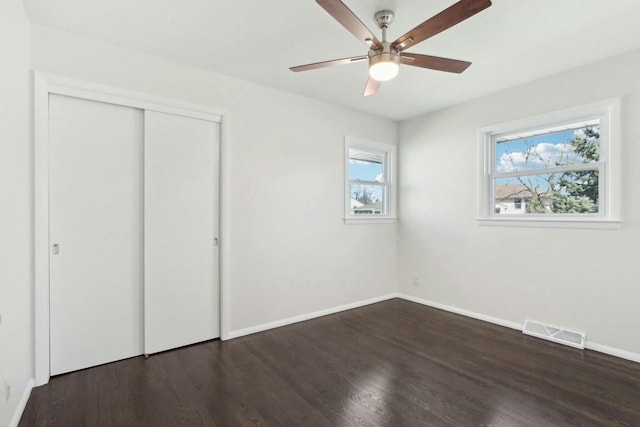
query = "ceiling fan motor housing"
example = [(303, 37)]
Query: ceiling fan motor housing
[(387, 54)]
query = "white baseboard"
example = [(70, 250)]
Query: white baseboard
[(623, 354), (17, 414), (308, 316), (612, 351), (462, 311)]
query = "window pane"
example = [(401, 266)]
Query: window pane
[(559, 193), (548, 148), (367, 199), (366, 165)]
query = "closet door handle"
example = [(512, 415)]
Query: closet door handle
[(215, 241), (55, 249)]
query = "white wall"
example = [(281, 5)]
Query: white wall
[(16, 255), (290, 253), (588, 280)]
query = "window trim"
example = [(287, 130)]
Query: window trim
[(389, 169), (608, 216)]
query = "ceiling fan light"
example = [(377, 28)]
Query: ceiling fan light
[(384, 66)]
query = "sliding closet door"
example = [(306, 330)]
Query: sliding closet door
[(181, 290), (95, 193)]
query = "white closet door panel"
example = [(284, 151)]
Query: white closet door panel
[(181, 290), (96, 309)]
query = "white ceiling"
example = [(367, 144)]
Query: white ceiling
[(511, 42)]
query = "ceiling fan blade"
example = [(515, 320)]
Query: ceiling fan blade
[(446, 19), (372, 87), (325, 64), (350, 21), (434, 62)]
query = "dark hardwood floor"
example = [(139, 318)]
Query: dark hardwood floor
[(394, 363)]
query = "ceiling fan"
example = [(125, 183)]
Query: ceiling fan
[(384, 57)]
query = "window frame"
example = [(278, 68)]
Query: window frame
[(389, 187), (608, 215)]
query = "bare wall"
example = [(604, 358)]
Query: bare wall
[(16, 206), (587, 280)]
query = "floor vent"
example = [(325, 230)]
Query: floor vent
[(552, 333)]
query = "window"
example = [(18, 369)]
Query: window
[(368, 183), (517, 203), (559, 169)]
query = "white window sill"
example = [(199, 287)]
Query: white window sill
[(370, 220), (583, 223)]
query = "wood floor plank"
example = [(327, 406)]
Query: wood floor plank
[(394, 363)]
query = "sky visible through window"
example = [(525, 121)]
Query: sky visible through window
[(528, 154), (365, 171)]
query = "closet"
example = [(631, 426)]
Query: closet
[(133, 226)]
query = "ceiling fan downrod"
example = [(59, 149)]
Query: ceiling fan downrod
[(384, 18)]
